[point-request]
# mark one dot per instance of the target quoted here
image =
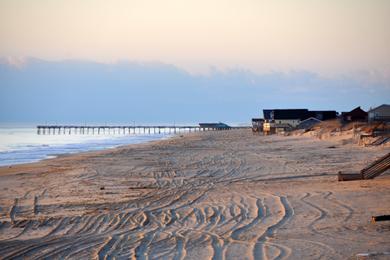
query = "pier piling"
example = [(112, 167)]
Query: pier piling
[(123, 129)]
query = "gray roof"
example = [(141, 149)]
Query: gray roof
[(381, 106)]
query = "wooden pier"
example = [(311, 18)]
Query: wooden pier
[(140, 129)]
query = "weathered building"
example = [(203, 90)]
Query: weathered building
[(380, 113)]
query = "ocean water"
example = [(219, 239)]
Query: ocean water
[(24, 145)]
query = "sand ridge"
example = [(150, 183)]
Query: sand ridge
[(212, 195)]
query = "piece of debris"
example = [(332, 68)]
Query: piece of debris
[(102, 188), (380, 218), (373, 255), (348, 176)]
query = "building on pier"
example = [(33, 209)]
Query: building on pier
[(216, 126)]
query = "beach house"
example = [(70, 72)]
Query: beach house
[(380, 113), (279, 120), (291, 117), (356, 114)]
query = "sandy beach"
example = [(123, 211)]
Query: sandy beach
[(210, 195)]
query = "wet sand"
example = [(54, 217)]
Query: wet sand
[(211, 195)]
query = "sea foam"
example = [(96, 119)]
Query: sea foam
[(24, 145)]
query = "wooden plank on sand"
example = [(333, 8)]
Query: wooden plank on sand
[(349, 176)]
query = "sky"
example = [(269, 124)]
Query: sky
[(297, 45)]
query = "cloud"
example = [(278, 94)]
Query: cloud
[(81, 91), (16, 62)]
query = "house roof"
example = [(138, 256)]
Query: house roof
[(301, 114), (323, 114), (285, 113), (381, 106), (311, 119), (308, 123), (356, 112)]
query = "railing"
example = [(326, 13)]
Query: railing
[(118, 129), (376, 168)]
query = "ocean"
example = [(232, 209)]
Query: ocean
[(24, 145)]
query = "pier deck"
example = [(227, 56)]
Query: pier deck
[(123, 129)]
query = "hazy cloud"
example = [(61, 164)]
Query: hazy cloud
[(80, 91)]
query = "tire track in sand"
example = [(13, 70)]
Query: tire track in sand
[(321, 214), (260, 250)]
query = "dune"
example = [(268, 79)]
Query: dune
[(209, 195)]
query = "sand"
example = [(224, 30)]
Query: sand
[(211, 195)]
